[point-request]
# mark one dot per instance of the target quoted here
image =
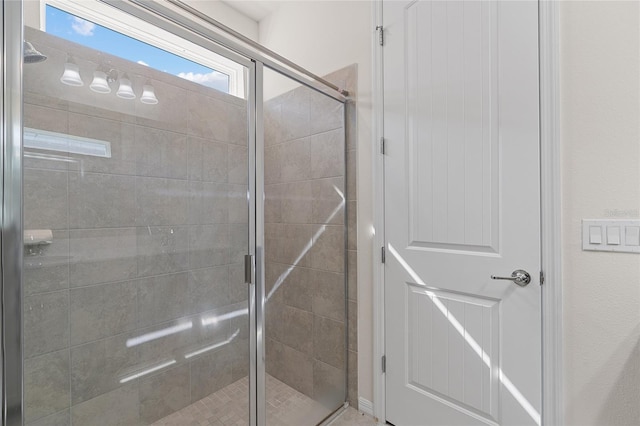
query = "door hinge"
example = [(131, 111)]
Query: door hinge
[(382, 146), (541, 277), (384, 363), (383, 254), (248, 268), (380, 30)]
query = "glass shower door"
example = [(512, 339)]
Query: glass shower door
[(305, 330), (136, 222)]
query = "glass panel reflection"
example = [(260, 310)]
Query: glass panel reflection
[(136, 224)]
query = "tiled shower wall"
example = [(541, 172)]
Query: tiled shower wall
[(305, 200), (149, 239)]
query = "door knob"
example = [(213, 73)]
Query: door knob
[(520, 277)]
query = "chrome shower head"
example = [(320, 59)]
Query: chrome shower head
[(31, 55)]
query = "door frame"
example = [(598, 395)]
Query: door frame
[(551, 218)]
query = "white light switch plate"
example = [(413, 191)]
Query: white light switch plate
[(611, 235)]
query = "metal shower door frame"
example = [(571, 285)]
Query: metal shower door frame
[(11, 231)]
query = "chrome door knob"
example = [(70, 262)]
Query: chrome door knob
[(520, 277)]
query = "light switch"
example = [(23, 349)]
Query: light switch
[(595, 235), (632, 235), (613, 235)]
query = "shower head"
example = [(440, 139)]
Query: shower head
[(31, 55)]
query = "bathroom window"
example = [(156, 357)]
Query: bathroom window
[(124, 36)]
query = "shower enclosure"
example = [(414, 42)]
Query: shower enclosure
[(173, 245)]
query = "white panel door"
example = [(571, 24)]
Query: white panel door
[(462, 203)]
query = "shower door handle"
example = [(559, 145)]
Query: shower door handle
[(248, 268)]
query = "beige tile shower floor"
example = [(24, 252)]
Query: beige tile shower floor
[(229, 406)]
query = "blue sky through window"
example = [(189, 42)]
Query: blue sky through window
[(86, 33)]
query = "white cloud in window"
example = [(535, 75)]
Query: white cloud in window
[(143, 63), (82, 27), (213, 79)]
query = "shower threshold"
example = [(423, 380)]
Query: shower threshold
[(230, 406)]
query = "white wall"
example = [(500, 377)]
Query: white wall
[(228, 16), (600, 96), (31, 13), (324, 36)]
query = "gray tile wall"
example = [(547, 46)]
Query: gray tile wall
[(149, 239), (306, 262)]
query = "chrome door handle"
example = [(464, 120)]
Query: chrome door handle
[(520, 277)]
